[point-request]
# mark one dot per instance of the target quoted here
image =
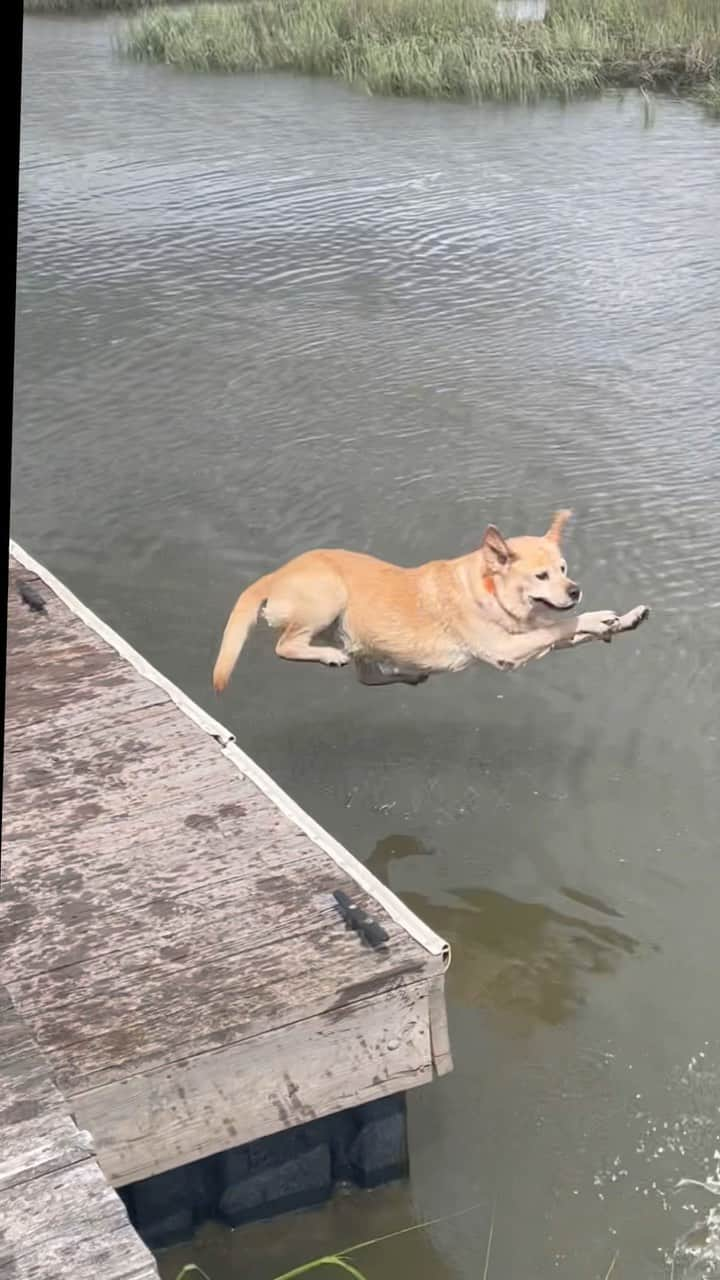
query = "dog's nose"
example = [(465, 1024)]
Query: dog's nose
[(574, 592)]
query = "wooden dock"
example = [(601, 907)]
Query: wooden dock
[(168, 931), (58, 1214)]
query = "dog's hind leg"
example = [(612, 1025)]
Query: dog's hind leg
[(302, 607), (295, 644)]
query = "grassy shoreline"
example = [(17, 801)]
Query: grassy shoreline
[(455, 49), (90, 8), (87, 7), (449, 48)]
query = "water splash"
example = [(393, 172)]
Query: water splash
[(696, 1255), (683, 1154)]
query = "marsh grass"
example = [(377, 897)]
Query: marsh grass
[(341, 1261), (709, 95), (449, 48), (90, 7), (334, 1260), (87, 6)]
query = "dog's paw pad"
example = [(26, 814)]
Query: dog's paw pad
[(634, 617)]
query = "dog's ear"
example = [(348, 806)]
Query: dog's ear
[(557, 526), (497, 552)]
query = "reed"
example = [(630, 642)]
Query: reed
[(448, 48), (341, 1261), (88, 6)]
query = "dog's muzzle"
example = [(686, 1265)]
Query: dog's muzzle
[(574, 593)]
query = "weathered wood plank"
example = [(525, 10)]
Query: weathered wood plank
[(91, 702), (58, 627), (105, 1037), (43, 1144), (74, 805), (115, 1256), (121, 813), (217, 807), (57, 1212), (26, 1090), (210, 817), (57, 668), (133, 759), (73, 1216), (43, 1206), (28, 919), (123, 877), (230, 916), (158, 1120)]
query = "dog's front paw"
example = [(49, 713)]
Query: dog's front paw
[(602, 623), (632, 619)]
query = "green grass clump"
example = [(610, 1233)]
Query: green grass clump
[(336, 1261), (340, 1261), (449, 48), (87, 6), (709, 95)]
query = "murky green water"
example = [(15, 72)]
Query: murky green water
[(261, 314)]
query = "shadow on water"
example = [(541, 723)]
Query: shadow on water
[(522, 959)]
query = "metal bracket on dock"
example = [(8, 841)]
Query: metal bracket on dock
[(356, 918), (31, 598)]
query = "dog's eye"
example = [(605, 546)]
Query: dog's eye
[(563, 568), (543, 577)]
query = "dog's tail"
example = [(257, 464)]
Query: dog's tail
[(243, 617)]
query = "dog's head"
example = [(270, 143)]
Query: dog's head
[(529, 575)]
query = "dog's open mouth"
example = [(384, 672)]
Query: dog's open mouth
[(559, 608)]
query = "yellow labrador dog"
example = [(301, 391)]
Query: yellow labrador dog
[(504, 604)]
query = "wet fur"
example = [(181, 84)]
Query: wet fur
[(504, 604)]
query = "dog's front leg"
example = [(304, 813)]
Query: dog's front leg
[(603, 625), (518, 650), (600, 625)]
